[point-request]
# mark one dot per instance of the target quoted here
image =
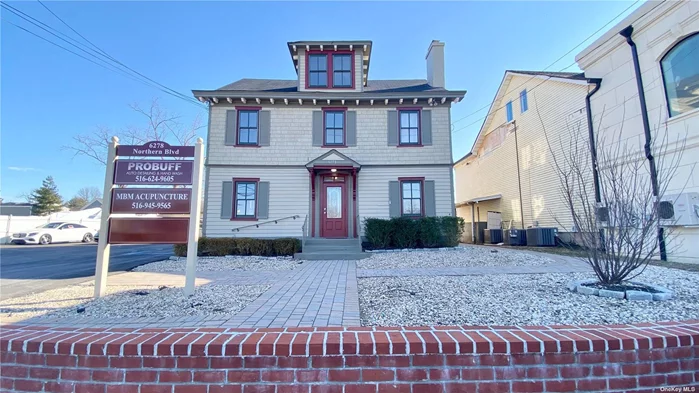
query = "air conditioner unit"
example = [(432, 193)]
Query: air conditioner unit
[(679, 209)]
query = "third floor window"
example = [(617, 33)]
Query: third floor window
[(328, 70)]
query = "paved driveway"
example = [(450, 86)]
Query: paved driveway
[(27, 269)]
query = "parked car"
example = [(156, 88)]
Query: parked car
[(55, 232)]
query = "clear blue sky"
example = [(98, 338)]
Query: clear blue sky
[(49, 95)]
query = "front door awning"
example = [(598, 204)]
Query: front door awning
[(332, 159)]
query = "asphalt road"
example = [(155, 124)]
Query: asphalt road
[(27, 269)]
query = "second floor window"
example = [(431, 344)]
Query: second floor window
[(523, 103), (318, 70), (409, 127), (334, 128), (247, 127), (342, 70), (508, 107), (680, 71), (245, 198)]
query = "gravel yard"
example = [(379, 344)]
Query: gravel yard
[(526, 299), (222, 263), (132, 302), (466, 256)]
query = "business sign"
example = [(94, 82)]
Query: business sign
[(151, 200), (148, 230), (153, 172), (155, 149)]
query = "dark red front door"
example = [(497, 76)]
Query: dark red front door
[(333, 219)]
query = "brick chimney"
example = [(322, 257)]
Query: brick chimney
[(435, 64)]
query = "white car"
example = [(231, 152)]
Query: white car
[(55, 232)]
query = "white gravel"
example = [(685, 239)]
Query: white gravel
[(531, 299), (222, 263), (132, 301), (467, 256)]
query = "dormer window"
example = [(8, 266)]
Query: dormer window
[(318, 70), (330, 70)]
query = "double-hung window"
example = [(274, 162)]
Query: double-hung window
[(411, 198), (318, 70), (508, 108), (523, 103), (334, 128), (342, 70), (248, 124), (245, 205), (409, 127)]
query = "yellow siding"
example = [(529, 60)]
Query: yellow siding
[(556, 110)]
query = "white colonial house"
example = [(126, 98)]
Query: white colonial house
[(317, 154), (649, 70)]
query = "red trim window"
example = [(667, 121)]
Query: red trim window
[(248, 126), (330, 69), (334, 121), (245, 199), (412, 196), (409, 132)]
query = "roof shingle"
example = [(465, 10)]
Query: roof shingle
[(564, 75), (291, 85)]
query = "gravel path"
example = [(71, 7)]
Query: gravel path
[(132, 301), (467, 256), (536, 299), (222, 263)]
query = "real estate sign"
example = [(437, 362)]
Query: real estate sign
[(151, 215)]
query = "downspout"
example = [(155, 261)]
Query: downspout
[(519, 178), (591, 135), (473, 223), (626, 33)]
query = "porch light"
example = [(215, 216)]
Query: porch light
[(333, 170)]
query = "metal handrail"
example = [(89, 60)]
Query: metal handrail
[(304, 229), (265, 222)]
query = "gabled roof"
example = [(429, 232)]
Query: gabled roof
[(333, 158), (568, 77)]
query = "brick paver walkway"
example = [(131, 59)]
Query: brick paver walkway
[(316, 293)]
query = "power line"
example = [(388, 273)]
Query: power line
[(111, 57), (92, 57), (550, 65)]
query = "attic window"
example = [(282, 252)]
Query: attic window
[(318, 70), (330, 69)]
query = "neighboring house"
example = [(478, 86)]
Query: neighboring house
[(510, 168), (666, 35), (97, 202), (15, 209), (329, 148)]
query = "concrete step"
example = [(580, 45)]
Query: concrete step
[(331, 247), (330, 256), (336, 242)]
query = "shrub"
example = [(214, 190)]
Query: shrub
[(220, 246), (405, 232), (429, 232), (378, 232), (452, 228)]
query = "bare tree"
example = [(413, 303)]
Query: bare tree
[(89, 193), (618, 234), (160, 125)]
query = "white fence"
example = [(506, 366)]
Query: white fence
[(14, 224)]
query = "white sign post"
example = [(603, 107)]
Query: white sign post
[(102, 265), (194, 218)]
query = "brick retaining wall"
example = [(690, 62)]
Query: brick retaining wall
[(351, 360)]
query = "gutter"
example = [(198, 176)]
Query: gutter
[(626, 33), (591, 135)]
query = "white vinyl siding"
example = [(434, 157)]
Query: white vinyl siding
[(288, 196), (372, 189), (562, 109)]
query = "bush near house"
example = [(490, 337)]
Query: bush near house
[(221, 246), (424, 232)]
